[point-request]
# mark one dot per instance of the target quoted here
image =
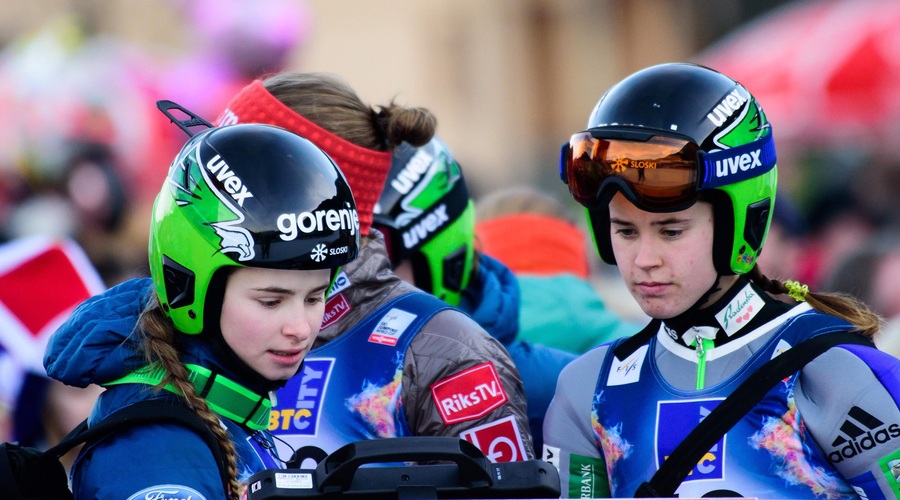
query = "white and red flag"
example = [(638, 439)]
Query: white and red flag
[(42, 279)]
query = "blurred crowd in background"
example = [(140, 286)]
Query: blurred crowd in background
[(83, 149)]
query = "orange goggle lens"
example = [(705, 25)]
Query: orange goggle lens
[(660, 173)]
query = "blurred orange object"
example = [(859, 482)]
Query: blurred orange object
[(534, 244)]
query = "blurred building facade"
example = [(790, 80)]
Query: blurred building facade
[(509, 80)]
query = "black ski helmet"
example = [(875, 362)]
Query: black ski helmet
[(246, 195), (717, 144), (428, 218)]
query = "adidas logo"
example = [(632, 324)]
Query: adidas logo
[(861, 432)]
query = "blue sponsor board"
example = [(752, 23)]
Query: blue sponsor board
[(299, 404), (676, 419)]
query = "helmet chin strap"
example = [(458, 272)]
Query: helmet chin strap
[(230, 359), (700, 302), (632, 344)]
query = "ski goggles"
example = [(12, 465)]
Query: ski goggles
[(656, 173)]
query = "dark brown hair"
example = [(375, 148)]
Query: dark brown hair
[(841, 305), (331, 103)]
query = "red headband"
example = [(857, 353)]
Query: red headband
[(534, 244), (366, 170)]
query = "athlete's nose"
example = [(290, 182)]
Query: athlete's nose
[(297, 325), (647, 255)]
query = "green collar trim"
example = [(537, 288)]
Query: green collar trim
[(224, 396)]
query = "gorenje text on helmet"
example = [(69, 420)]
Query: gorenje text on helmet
[(412, 171), (726, 107), (317, 221), (231, 182)]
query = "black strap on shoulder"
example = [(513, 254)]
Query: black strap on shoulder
[(719, 421), (151, 411), (627, 347)]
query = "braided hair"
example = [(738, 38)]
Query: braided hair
[(159, 348)]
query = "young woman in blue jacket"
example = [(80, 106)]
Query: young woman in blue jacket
[(248, 231)]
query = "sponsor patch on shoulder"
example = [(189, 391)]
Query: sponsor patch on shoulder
[(861, 433), (167, 492), (336, 308), (469, 394), (499, 440), (341, 282), (391, 327)]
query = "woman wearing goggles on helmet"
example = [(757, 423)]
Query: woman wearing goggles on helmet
[(677, 173), (240, 265)]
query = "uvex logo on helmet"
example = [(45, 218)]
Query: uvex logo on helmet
[(426, 227), (413, 171), (317, 221), (726, 107), (232, 184), (738, 163)]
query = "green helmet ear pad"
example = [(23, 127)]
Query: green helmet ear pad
[(442, 265), (747, 206), (245, 195)]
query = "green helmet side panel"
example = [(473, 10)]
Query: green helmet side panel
[(751, 199), (435, 188), (450, 256), (179, 225), (743, 194)]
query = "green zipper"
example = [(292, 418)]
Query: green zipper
[(704, 346)]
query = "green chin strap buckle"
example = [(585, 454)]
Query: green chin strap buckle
[(224, 396)]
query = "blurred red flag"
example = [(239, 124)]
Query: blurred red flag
[(824, 70), (41, 282)]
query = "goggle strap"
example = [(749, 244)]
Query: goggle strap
[(728, 166), (563, 154)]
